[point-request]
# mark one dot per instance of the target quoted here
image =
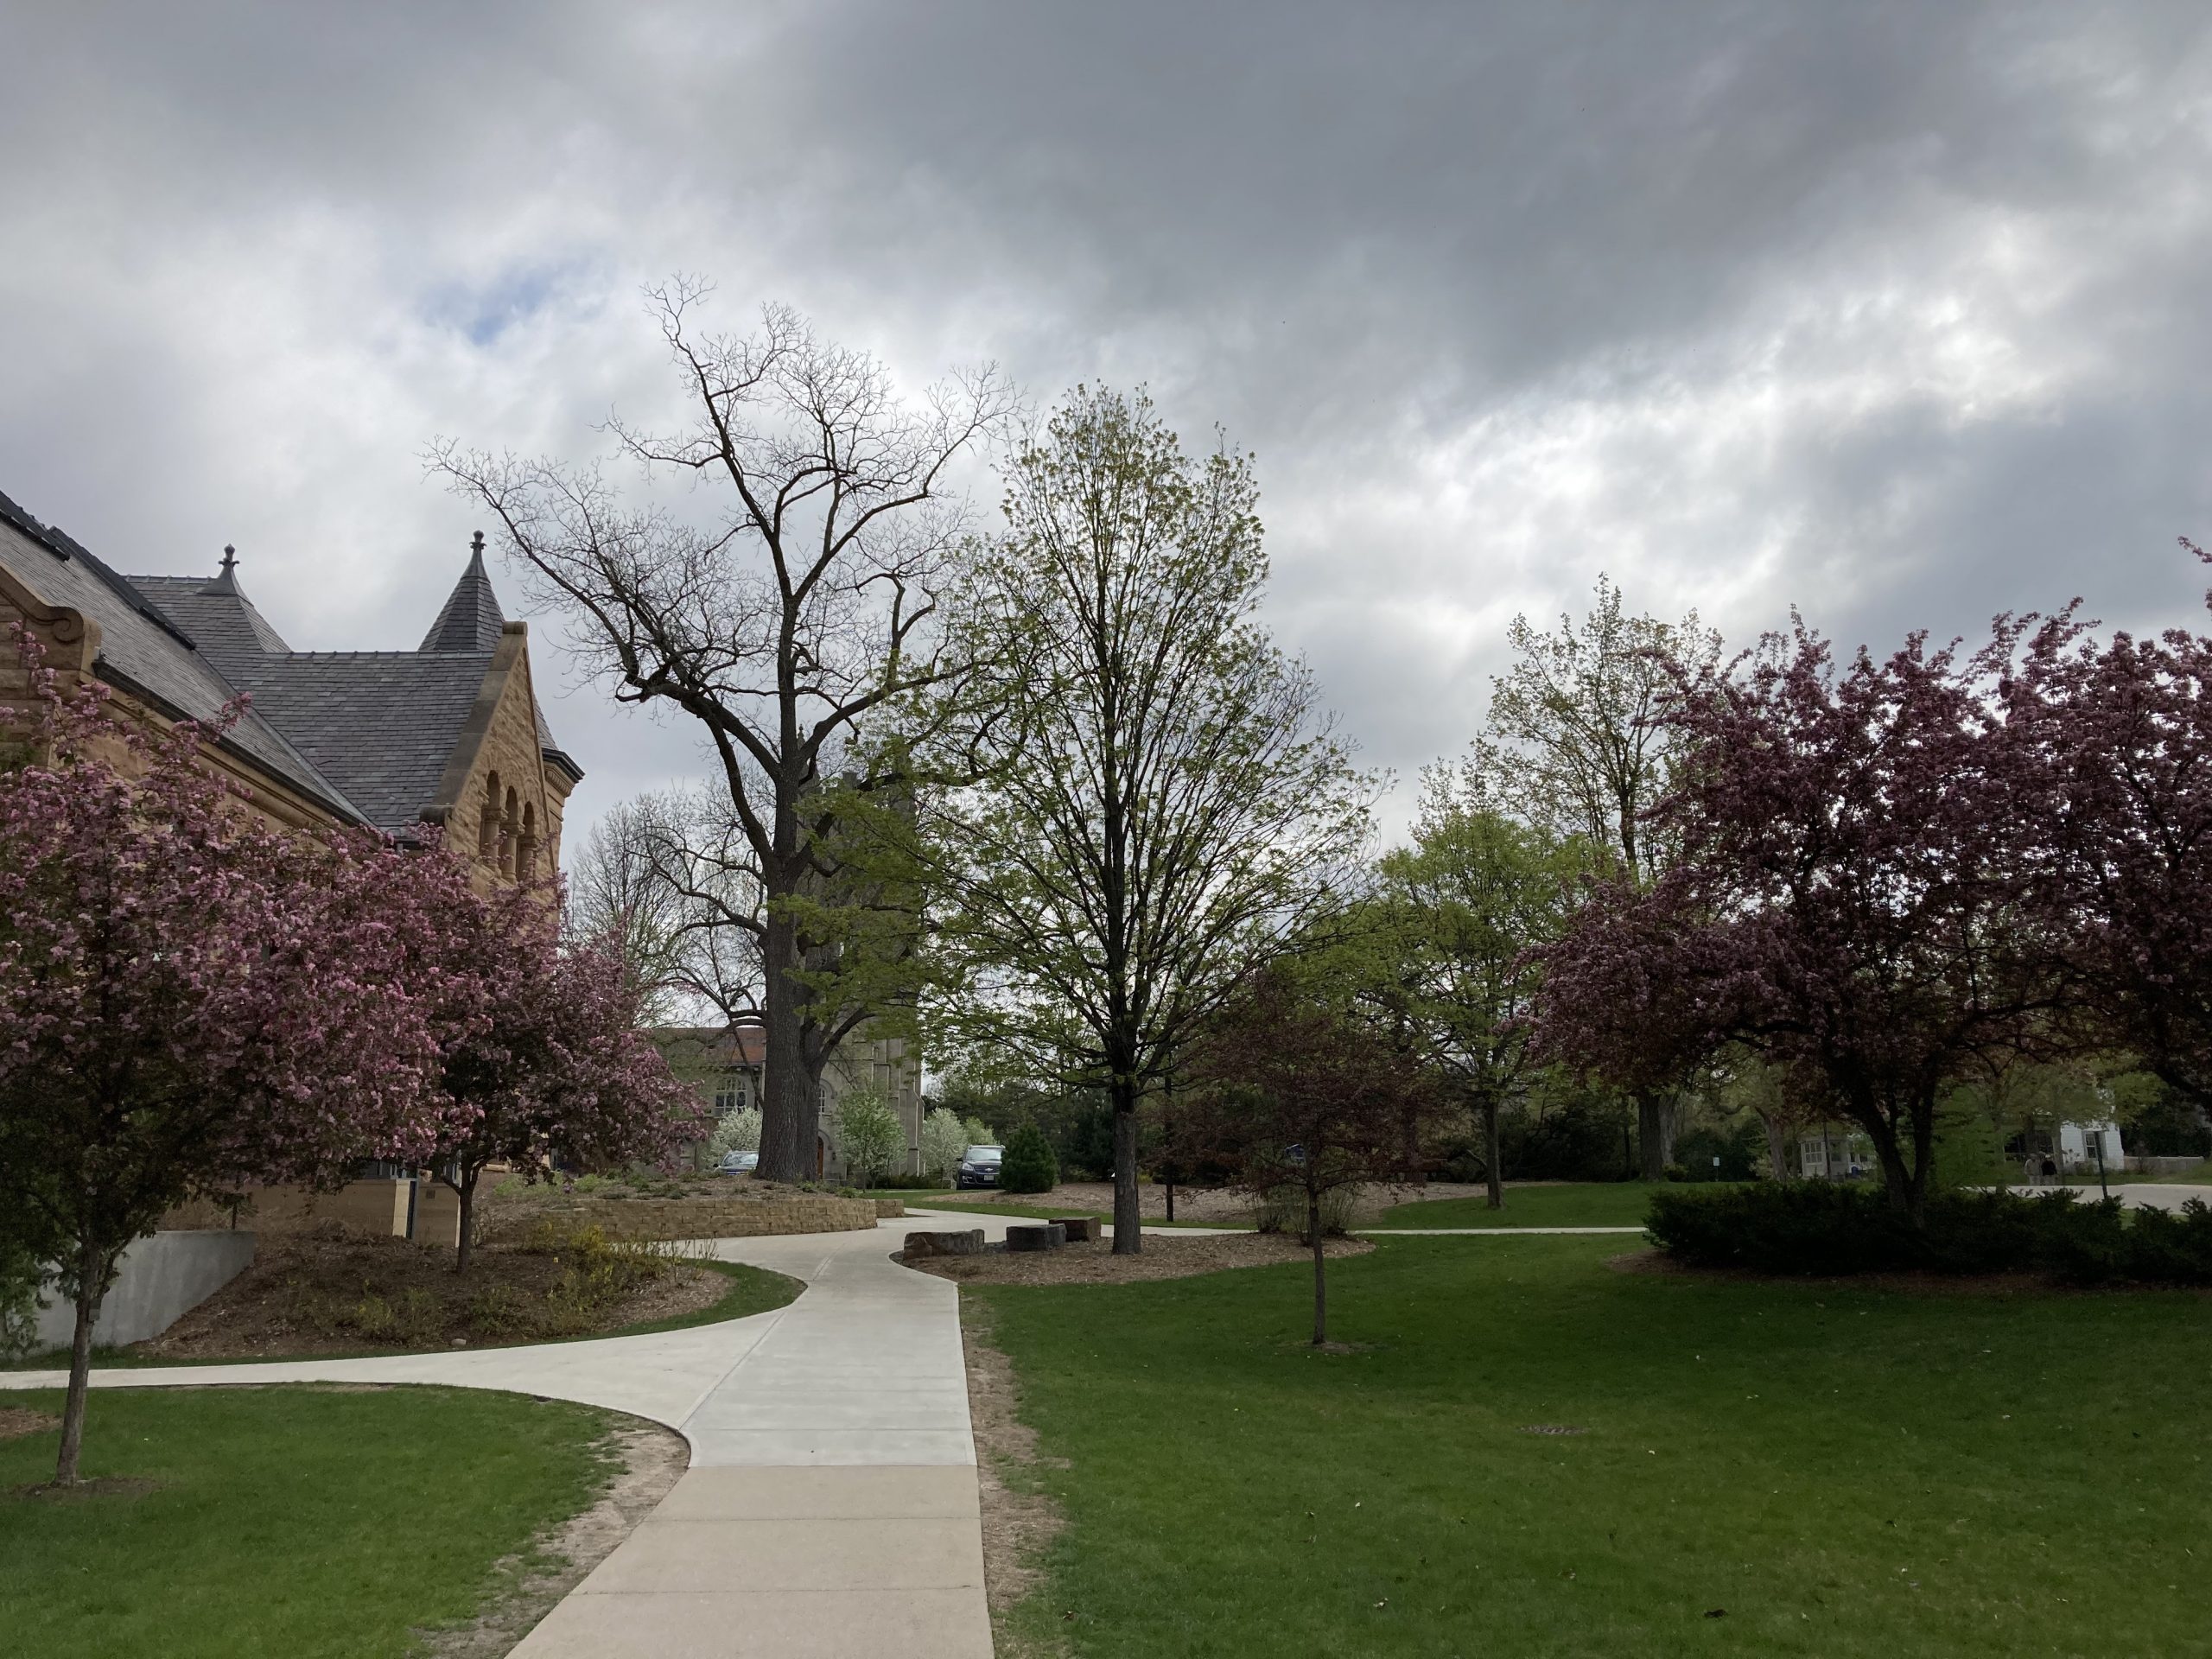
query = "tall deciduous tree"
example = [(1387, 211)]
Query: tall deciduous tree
[(191, 1003), (1469, 901), (1579, 743), (1163, 805), (1847, 898), (783, 622), (1289, 1089)]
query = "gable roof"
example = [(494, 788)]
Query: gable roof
[(370, 733), (144, 652)]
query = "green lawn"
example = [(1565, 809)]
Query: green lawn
[(1564, 1204), (1768, 1469), (286, 1522)]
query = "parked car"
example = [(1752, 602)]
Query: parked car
[(979, 1166), (740, 1163)]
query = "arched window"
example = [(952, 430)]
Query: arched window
[(487, 821), (510, 833), (526, 848)]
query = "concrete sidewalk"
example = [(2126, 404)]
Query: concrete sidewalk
[(831, 1506)]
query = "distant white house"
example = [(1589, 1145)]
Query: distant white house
[(1830, 1153)]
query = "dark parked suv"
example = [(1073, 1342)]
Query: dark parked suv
[(979, 1166)]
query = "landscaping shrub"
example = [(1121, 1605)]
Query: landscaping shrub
[(1824, 1228), (1740, 1148), (1029, 1166)]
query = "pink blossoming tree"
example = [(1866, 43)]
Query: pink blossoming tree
[(542, 1062), (191, 1002)]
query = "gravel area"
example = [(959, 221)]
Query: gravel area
[(1162, 1257)]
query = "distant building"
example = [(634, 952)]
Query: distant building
[(727, 1065)]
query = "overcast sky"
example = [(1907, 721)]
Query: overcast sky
[(1898, 314)]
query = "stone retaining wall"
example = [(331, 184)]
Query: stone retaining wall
[(698, 1217)]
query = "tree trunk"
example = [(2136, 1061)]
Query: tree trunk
[(1777, 1149), (1128, 1218), (788, 1103), (1907, 1187), (465, 1189), (1651, 1136), (1492, 1164), (92, 1289), (1320, 1271)]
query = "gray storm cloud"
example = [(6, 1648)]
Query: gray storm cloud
[(1891, 313)]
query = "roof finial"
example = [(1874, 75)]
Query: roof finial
[(476, 544), (230, 557)]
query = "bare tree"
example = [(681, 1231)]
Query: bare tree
[(1163, 805), (788, 622), (617, 894)]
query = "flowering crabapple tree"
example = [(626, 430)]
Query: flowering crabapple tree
[(1849, 900), (542, 1062), (2112, 745), (191, 1002)]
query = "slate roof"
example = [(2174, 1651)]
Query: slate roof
[(382, 723), (147, 652), (471, 619), (367, 732)]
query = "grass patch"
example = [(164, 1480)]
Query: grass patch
[(287, 1522), (751, 1290), (1564, 1204), (1765, 1469)]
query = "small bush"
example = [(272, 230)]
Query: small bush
[(1029, 1166), (1830, 1228)]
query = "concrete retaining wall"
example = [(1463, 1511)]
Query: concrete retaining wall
[(163, 1277)]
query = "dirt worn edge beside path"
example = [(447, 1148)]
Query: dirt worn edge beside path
[(649, 1460), (1020, 1519)]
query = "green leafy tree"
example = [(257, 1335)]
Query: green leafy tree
[(1578, 743), (1465, 904), (1161, 804)]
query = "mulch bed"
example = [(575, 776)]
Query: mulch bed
[(16, 1421), (1162, 1258), (332, 1291)]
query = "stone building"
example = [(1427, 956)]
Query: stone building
[(449, 734), (727, 1065)]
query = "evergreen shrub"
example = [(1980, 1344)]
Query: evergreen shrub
[(1029, 1166), (1832, 1228)]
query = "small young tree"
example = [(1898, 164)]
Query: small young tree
[(738, 1130), (542, 1062), (946, 1140), (191, 1003), (867, 1134), (1288, 1091)]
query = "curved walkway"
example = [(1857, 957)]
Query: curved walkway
[(830, 1508)]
